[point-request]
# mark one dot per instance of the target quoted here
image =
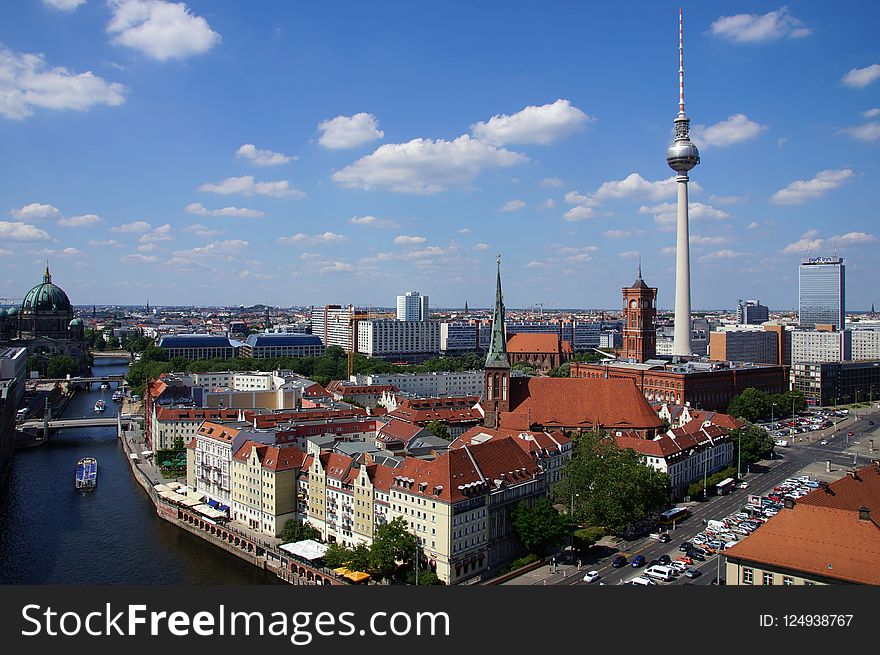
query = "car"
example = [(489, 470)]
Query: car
[(686, 560), (641, 580), (681, 567), (665, 559), (850, 434), (685, 546), (743, 485), (664, 538), (824, 442), (693, 573), (591, 576), (638, 560), (619, 561), (697, 555)]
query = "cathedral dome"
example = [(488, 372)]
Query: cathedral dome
[(46, 297)]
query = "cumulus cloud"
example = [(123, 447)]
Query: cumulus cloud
[(202, 230), (734, 129), (131, 228), (481, 246), (424, 165), (753, 225), (464, 230), (866, 132), (221, 249), (85, 220), (721, 254), (372, 221), (161, 30), (807, 243), (238, 212), (512, 205), (629, 254), (751, 28), (666, 214), (64, 5), (862, 77), (536, 264), (579, 213), (701, 239), (301, 239), (549, 203), (108, 242), (161, 233), (135, 258), (871, 113), (53, 252), (147, 247), (541, 125), (634, 185), (406, 240), (802, 190), (36, 211), (247, 186), (262, 157), (853, 239), (349, 131), (622, 234), (18, 231), (26, 83)]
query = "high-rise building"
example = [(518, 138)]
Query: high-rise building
[(640, 311), (681, 157), (412, 307), (822, 299), (751, 312)]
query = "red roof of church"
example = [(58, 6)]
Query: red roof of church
[(524, 342)]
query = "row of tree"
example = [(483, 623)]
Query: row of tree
[(755, 405)]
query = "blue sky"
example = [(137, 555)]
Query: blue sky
[(344, 152)]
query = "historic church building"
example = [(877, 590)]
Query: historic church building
[(548, 404), (45, 325)]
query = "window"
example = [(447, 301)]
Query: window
[(787, 580), (747, 576), (767, 579)]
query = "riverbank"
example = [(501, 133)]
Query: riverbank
[(237, 540)]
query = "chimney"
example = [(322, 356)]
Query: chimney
[(788, 502), (864, 513), (853, 474), (824, 486)]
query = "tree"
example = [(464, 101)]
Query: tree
[(295, 531), (754, 443), (393, 543), (539, 525), (751, 405), (154, 354), (59, 366), (439, 429), (337, 555), (562, 371), (525, 367), (610, 486)]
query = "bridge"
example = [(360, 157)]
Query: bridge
[(57, 424), (81, 380)]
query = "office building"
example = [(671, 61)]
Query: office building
[(833, 383), (738, 345), (821, 346), (398, 340), (865, 344), (269, 345), (751, 312), (822, 297), (199, 346), (412, 306), (426, 385)]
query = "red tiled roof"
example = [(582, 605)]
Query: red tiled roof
[(397, 430), (525, 342), (192, 414), (530, 441), (578, 403), (450, 402), (218, 431), (273, 458), (425, 416), (344, 388), (850, 492)]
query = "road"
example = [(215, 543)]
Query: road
[(840, 451)]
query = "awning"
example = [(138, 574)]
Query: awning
[(307, 549), (223, 508), (162, 487), (208, 511), (213, 503), (354, 576)]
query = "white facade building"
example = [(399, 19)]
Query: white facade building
[(389, 338), (440, 384), (865, 344), (412, 306), (820, 346)]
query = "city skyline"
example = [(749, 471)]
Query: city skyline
[(211, 155)]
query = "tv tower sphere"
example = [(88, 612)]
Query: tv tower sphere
[(682, 155)]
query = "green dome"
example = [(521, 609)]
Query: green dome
[(46, 297), (77, 322), (13, 311)]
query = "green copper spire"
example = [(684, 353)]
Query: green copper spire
[(497, 356)]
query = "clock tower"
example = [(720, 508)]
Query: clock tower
[(640, 312)]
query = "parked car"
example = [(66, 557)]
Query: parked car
[(685, 546), (591, 576), (697, 555), (638, 560), (665, 559), (693, 573), (641, 580), (619, 561)]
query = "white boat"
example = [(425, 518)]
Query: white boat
[(100, 406)]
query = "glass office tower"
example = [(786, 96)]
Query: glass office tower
[(822, 298)]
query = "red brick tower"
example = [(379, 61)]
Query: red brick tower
[(640, 311)]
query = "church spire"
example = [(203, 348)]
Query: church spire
[(47, 276), (497, 356)]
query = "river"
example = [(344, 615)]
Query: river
[(53, 534)]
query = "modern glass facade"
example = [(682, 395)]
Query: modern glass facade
[(821, 297)]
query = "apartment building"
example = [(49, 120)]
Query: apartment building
[(399, 340)]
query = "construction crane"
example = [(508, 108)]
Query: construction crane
[(353, 320), (540, 307)]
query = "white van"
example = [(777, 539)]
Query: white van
[(660, 572), (641, 580)]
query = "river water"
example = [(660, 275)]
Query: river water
[(52, 534)]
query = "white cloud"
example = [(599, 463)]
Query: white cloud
[(666, 214), (866, 132), (481, 246), (139, 259), (752, 225), (18, 231), (334, 267), (579, 213), (536, 264), (871, 113), (749, 28), (50, 252), (26, 82), (668, 250), (239, 212), (64, 5), (464, 230), (86, 220), (734, 129), (425, 166), (262, 157), (512, 205), (36, 211), (202, 230), (255, 275), (542, 125), (300, 239), (161, 233), (349, 131), (147, 247), (551, 182), (222, 249), (549, 203), (721, 254), (109, 242), (622, 234), (701, 239), (246, 186), (372, 221), (634, 185), (406, 240), (629, 254), (131, 228), (161, 30), (802, 190), (807, 243), (853, 239), (862, 77)]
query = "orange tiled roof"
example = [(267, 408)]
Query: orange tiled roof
[(525, 342)]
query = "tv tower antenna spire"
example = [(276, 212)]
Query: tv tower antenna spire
[(680, 65)]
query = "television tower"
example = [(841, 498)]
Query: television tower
[(682, 156)]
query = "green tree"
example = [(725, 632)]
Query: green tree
[(154, 354), (392, 544), (753, 442), (751, 405), (562, 371), (525, 367), (294, 531), (337, 555), (610, 486), (439, 429), (539, 525), (59, 366)]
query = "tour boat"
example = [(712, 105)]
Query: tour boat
[(86, 473), (118, 395), (105, 385), (99, 406)]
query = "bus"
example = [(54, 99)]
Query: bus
[(725, 486), (673, 516)]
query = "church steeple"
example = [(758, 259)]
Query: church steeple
[(47, 276), (496, 377)]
